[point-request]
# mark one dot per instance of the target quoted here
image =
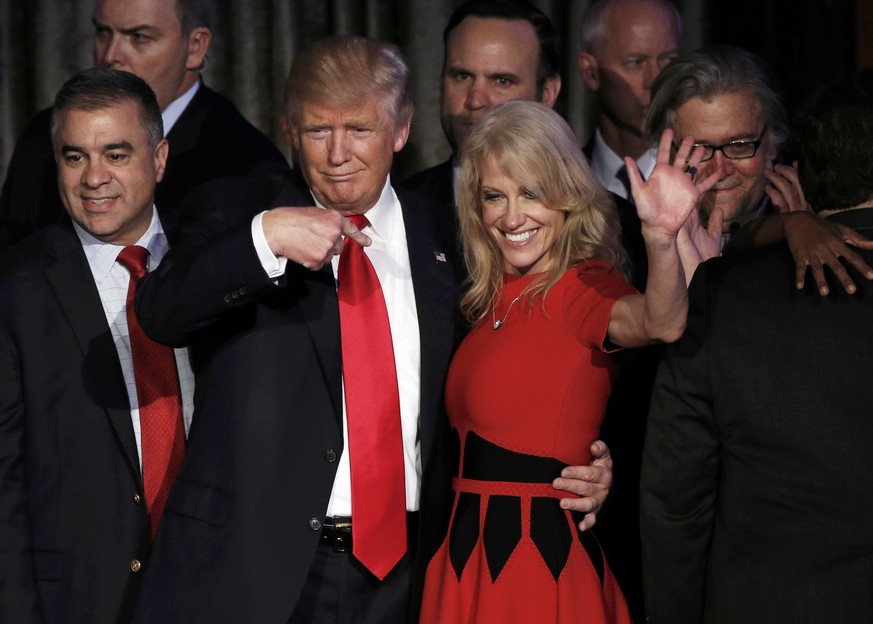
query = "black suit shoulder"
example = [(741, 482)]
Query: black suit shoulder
[(209, 141), (435, 182)]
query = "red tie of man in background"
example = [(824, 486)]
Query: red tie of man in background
[(373, 413)]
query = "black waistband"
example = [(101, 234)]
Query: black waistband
[(485, 461)]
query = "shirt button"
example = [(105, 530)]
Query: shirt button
[(315, 524), (137, 498), (135, 565), (330, 456)]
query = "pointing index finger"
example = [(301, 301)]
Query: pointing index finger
[(350, 230)]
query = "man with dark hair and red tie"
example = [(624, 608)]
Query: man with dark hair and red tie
[(317, 481), (93, 414)]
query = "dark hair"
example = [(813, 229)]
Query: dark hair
[(99, 88), (831, 140), (549, 63), (709, 72), (195, 13)]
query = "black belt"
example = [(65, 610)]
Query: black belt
[(336, 532)]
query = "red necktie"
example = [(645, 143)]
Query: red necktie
[(373, 413), (160, 404)]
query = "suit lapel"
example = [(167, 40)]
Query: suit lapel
[(73, 284), (431, 259), (316, 301)]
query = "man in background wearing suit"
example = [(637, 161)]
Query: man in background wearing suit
[(264, 523), (495, 51), (625, 44), (79, 453), (165, 42), (758, 467)]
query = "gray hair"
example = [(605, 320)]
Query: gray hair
[(710, 72)]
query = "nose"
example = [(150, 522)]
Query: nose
[(338, 149), (108, 51), (514, 217), (96, 174), (725, 165), (478, 96), (650, 72)]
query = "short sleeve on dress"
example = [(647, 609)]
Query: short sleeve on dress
[(591, 290)]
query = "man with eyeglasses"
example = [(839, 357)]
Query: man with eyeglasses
[(725, 98)]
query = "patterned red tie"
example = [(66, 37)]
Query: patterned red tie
[(160, 404), (373, 412)]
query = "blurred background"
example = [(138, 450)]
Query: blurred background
[(43, 42)]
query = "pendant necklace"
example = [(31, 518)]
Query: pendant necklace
[(498, 323)]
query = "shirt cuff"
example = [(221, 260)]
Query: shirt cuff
[(274, 266)]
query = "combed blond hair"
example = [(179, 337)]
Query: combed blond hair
[(345, 71), (534, 146)]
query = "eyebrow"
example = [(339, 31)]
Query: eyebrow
[(126, 31), (120, 145)]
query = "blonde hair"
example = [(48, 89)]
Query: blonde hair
[(345, 71), (534, 146)]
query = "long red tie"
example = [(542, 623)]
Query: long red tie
[(160, 404), (373, 412)]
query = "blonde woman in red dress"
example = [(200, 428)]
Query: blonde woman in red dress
[(527, 389)]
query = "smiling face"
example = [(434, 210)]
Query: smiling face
[(488, 61), (524, 228), (107, 172), (345, 153), (728, 117), (145, 38)]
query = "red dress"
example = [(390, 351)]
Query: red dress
[(526, 400)]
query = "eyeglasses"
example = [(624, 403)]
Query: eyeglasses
[(735, 150)]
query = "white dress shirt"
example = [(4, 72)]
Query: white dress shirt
[(390, 258), (606, 164), (112, 281), (174, 109)]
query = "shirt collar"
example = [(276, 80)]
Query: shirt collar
[(381, 215), (605, 163), (174, 110), (102, 256)]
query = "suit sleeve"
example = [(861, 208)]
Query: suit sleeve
[(18, 593), (212, 270), (680, 472)]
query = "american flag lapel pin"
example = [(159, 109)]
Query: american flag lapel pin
[(440, 256)]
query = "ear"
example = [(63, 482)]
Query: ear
[(198, 46), (286, 130), (588, 70), (161, 153), (551, 89), (401, 135)]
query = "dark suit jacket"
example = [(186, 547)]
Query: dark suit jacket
[(437, 182), (69, 471), (244, 518), (758, 465), (210, 140)]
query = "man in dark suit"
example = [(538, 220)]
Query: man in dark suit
[(75, 512), (625, 44), (495, 51), (261, 525), (165, 42), (758, 467)]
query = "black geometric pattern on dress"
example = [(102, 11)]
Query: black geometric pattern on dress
[(465, 531), (502, 531), (591, 546), (550, 532)]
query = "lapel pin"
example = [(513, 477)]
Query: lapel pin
[(440, 256)]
